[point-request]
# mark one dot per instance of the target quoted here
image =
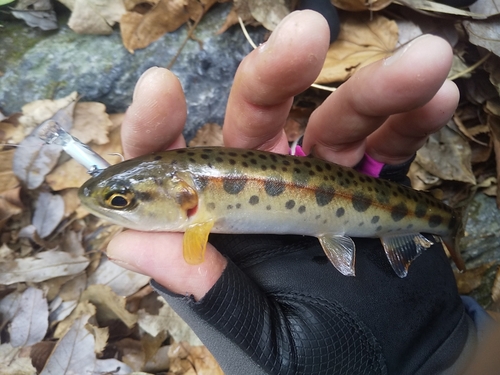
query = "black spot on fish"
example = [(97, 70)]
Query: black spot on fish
[(302, 209), (274, 187), (319, 169), (318, 217), (192, 160), (325, 178), (347, 181), (361, 224), (204, 156), (420, 210), (209, 150), (286, 162), (232, 161), (332, 177), (308, 164), (229, 207), (399, 211), (201, 182), (250, 153), (263, 167), (361, 179), (253, 200), (290, 204), (219, 159), (379, 228), (361, 202), (273, 167), (296, 170), (222, 153), (268, 207), (311, 173), (253, 161), (375, 219), (284, 169), (400, 190), (158, 157), (435, 220), (350, 174), (191, 153), (394, 194), (263, 157), (340, 212), (369, 188), (297, 161), (409, 226), (244, 164), (211, 206), (234, 185), (328, 167), (324, 196), (238, 205), (233, 154), (382, 197), (180, 151)]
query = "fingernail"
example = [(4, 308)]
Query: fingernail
[(402, 50), (141, 80), (124, 264)]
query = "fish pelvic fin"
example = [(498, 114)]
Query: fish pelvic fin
[(402, 249), (341, 251), (195, 242)]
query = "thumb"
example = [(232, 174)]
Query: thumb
[(159, 255)]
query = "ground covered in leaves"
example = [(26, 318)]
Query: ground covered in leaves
[(66, 309)]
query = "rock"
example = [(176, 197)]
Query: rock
[(100, 69)]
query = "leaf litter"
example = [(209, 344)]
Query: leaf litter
[(66, 308)]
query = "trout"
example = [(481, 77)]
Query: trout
[(223, 190)]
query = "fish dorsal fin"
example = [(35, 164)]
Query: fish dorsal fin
[(341, 251), (401, 250), (195, 242)]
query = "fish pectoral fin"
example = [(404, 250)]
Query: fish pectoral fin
[(401, 250), (341, 251), (195, 242)]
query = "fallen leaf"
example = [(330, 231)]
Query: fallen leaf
[(484, 33), (41, 267), (31, 321), (361, 5), (448, 156), (486, 7), (268, 12), (91, 123), (49, 211), (9, 305), (361, 41), (74, 354), (139, 30), (10, 205), (12, 364), (11, 132), (109, 305), (8, 179), (37, 13), (185, 359), (94, 16), (169, 321), (123, 282)]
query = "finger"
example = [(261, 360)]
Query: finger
[(156, 117), (159, 255), (402, 135), (269, 78), (403, 82)]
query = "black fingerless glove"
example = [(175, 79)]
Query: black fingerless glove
[(281, 308)]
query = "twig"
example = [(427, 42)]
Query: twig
[(470, 68)]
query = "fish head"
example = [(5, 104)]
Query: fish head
[(141, 194)]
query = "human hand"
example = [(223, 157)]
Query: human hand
[(385, 110)]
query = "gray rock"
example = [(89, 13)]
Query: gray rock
[(100, 69)]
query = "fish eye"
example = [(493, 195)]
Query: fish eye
[(119, 199)]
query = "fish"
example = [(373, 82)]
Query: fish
[(204, 190)]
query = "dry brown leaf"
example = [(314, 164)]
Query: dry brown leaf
[(486, 7), (484, 33), (94, 16), (49, 211), (186, 359), (268, 12), (45, 265), (361, 41), (11, 363), (209, 134), (361, 5), (8, 179), (139, 30), (447, 155), (10, 204), (72, 174), (11, 132), (471, 279), (109, 305), (91, 123)]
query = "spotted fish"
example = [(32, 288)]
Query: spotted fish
[(222, 190)]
